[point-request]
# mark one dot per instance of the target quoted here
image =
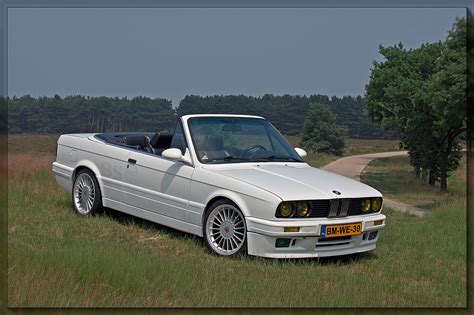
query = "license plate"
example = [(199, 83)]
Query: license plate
[(341, 230)]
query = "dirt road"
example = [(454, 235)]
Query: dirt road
[(353, 166)]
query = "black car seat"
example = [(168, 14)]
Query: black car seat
[(152, 143), (138, 142), (161, 142)]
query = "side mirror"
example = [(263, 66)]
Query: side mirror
[(172, 154), (301, 152)]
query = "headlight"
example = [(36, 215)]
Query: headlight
[(286, 209), (376, 204), (366, 205), (302, 208)]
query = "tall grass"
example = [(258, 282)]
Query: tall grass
[(394, 177), (57, 258), (32, 143)]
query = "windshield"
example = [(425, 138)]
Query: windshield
[(236, 139)]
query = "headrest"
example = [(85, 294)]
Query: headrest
[(139, 140), (213, 143)]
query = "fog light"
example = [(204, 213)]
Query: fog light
[(378, 222), (372, 235), (282, 242), (291, 229)]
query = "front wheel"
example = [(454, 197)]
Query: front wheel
[(225, 230), (86, 196)]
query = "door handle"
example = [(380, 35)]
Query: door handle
[(132, 161)]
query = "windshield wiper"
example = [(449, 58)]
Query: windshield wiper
[(253, 159), (228, 158), (279, 157)]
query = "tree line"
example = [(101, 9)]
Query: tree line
[(72, 114), (76, 114), (288, 112)]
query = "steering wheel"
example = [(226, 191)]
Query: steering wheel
[(253, 147)]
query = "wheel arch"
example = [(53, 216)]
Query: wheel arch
[(232, 198), (88, 165), (85, 165), (227, 244)]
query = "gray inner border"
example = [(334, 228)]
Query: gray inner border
[(5, 4)]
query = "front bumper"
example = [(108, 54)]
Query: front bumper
[(262, 235)]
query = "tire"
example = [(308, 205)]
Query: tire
[(86, 195), (224, 229)]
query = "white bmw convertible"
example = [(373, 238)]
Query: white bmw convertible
[(231, 179)]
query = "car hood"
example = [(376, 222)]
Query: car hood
[(296, 181)]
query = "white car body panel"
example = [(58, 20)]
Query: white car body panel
[(296, 181), (176, 194)]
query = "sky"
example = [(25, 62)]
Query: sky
[(170, 53)]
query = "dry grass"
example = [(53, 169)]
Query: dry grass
[(32, 143), (21, 163)]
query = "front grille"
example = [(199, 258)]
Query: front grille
[(335, 239), (336, 208), (319, 208), (355, 207)]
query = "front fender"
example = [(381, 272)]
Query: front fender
[(250, 206)]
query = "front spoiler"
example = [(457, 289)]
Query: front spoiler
[(306, 243)]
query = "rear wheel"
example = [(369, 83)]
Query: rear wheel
[(86, 196), (225, 231)]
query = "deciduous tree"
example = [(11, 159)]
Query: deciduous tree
[(421, 93), (321, 133)]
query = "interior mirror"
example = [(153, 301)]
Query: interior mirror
[(301, 152), (172, 154)]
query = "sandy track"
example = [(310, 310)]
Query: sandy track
[(353, 166)]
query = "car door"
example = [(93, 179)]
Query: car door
[(158, 185)]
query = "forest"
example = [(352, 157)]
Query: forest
[(75, 114)]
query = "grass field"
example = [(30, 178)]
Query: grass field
[(394, 178), (353, 147), (57, 258), (26, 143)]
